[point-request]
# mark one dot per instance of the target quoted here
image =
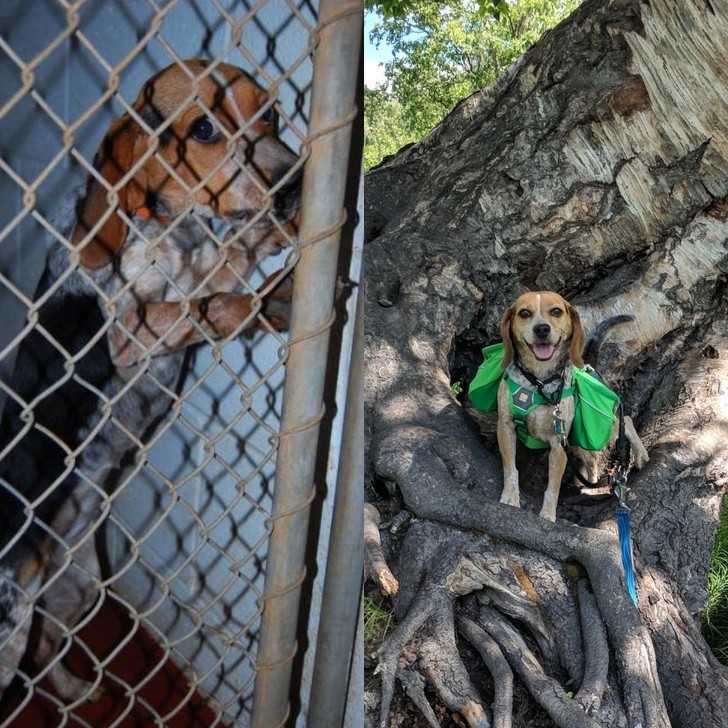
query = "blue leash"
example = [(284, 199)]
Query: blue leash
[(625, 540), (620, 490), (623, 527)]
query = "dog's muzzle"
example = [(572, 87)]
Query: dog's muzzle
[(542, 348), (541, 331)]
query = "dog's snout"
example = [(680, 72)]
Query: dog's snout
[(541, 331), (288, 195)]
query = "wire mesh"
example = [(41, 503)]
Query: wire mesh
[(139, 557)]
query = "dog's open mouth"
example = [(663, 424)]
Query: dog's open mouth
[(543, 352)]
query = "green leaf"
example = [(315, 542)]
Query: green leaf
[(444, 52)]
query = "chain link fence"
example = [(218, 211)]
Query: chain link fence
[(152, 560)]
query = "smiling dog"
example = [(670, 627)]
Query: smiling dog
[(543, 340)]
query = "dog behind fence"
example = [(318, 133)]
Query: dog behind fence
[(189, 190)]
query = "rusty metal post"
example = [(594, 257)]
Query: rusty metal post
[(333, 109)]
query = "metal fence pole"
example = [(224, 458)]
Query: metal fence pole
[(333, 108), (342, 590)]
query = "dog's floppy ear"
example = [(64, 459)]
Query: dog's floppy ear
[(578, 340), (120, 148), (506, 336)]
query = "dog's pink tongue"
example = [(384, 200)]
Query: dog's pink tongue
[(543, 351)]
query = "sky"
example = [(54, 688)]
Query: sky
[(373, 57)]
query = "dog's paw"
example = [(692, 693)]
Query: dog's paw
[(281, 289), (276, 307), (639, 454), (73, 688), (641, 458), (548, 512), (511, 497)]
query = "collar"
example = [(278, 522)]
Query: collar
[(536, 381), (553, 397)]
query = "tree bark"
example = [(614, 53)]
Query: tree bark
[(597, 167)]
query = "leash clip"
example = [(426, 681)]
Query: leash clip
[(621, 490)]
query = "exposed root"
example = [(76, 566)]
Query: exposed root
[(374, 561), (427, 603), (460, 564), (438, 658), (497, 664), (596, 651), (422, 475), (414, 684), (547, 691), (445, 670), (454, 563), (495, 573)]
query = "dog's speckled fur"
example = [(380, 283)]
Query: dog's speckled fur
[(542, 334), (151, 282)]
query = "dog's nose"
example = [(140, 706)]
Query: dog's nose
[(541, 331), (288, 196)]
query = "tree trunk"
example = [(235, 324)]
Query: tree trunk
[(596, 167)]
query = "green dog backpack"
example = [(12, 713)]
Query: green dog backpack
[(595, 412), (483, 390), (595, 403)]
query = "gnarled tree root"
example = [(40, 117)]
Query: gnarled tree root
[(421, 481), (498, 666), (376, 564), (438, 655), (547, 691)]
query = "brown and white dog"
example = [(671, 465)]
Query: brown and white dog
[(542, 337), (141, 280)]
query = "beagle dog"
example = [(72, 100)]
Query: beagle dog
[(542, 338), (138, 280)]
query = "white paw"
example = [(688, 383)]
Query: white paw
[(641, 458), (73, 688), (511, 497), (549, 513)]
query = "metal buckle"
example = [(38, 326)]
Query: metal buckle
[(559, 425), (621, 491)]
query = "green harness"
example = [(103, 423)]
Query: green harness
[(594, 414)]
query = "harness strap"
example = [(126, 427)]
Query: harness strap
[(623, 447), (551, 399), (524, 400)]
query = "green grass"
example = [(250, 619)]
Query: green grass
[(715, 617), (377, 624)]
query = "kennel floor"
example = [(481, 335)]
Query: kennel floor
[(165, 692)]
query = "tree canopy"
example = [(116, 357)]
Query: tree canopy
[(442, 53)]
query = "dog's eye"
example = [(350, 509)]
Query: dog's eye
[(524, 313), (556, 312), (204, 130), (267, 116)]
